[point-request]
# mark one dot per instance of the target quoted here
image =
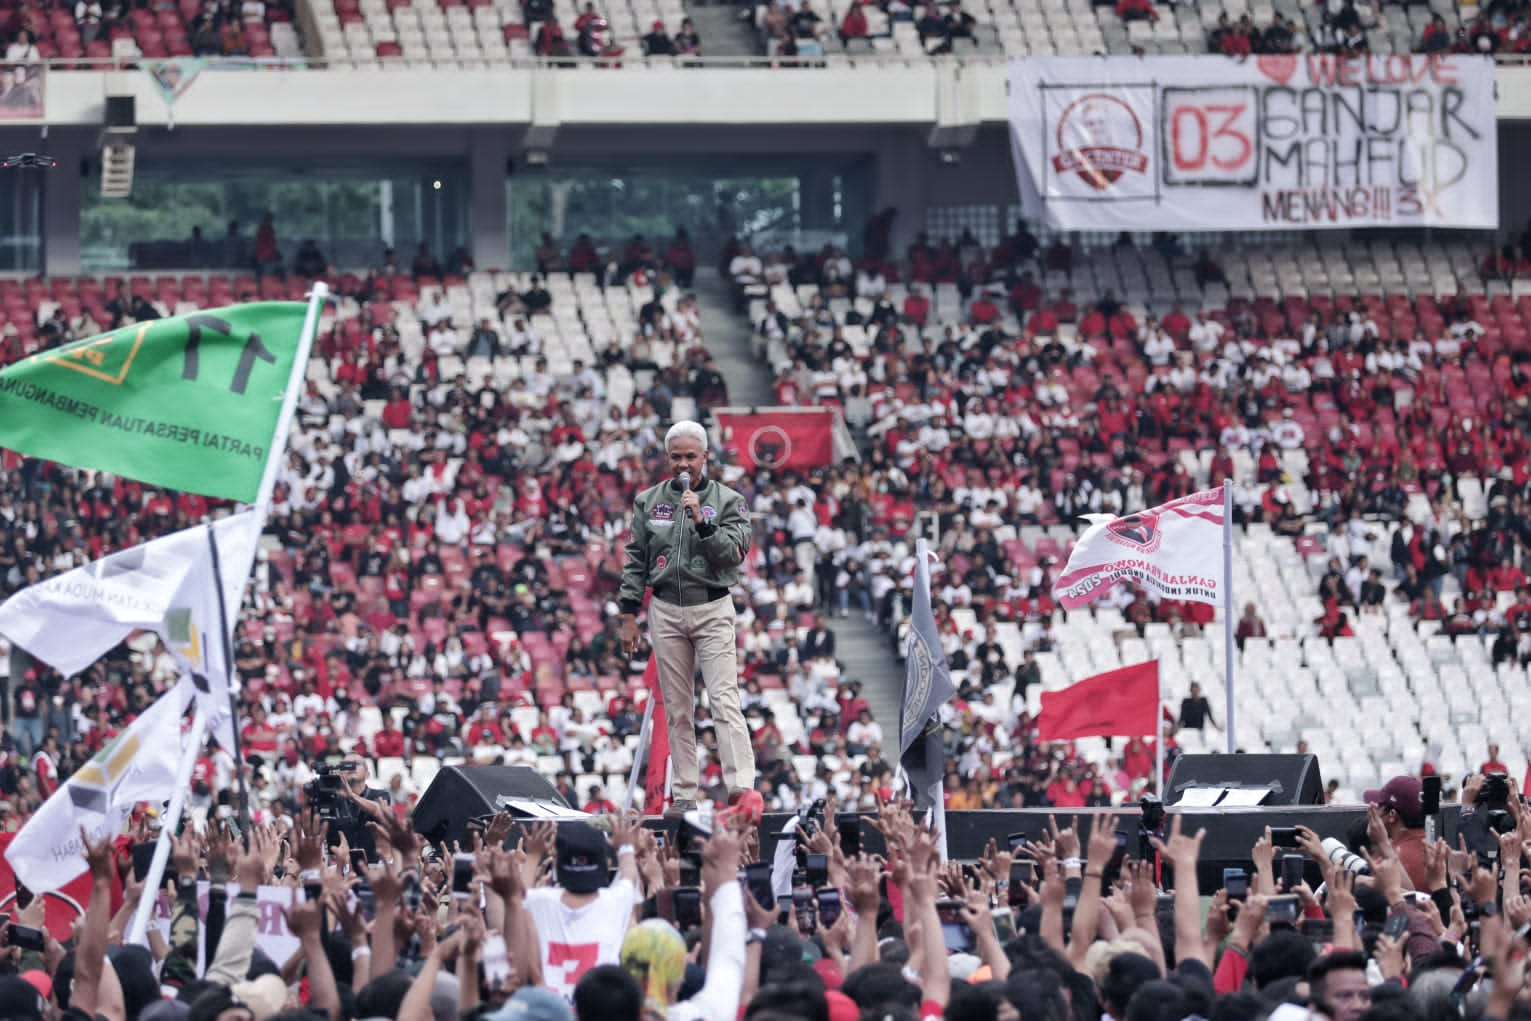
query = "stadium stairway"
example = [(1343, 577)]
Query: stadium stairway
[(722, 33), (728, 338), (866, 655)]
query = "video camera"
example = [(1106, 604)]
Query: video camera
[(326, 793)]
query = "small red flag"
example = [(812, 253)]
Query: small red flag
[(1117, 703), (656, 781)]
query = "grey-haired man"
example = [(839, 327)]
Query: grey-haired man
[(689, 535)]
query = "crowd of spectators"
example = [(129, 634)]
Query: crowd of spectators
[(1241, 38), (1027, 408), (87, 28), (1495, 30), (793, 29), (440, 561), (607, 922)]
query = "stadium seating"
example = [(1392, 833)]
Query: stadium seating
[(164, 31)]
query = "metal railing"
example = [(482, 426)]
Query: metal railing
[(630, 59)]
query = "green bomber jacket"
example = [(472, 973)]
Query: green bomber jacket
[(711, 554)]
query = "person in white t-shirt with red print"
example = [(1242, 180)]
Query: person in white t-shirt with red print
[(581, 922)]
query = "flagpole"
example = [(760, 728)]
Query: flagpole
[(306, 335), (644, 733), (275, 455), (1159, 740), (1228, 610), (228, 665), (169, 822)]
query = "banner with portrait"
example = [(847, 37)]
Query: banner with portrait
[(1269, 143)]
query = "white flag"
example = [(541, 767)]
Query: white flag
[(165, 586), (138, 765), (1175, 549)]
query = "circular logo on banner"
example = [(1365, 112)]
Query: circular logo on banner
[(770, 446), (59, 909), (1100, 139), (919, 680)]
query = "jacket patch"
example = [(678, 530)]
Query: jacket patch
[(660, 561), (662, 512), (709, 512)]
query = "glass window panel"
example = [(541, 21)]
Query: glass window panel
[(179, 217)]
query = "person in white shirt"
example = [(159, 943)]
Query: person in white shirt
[(1158, 348), (581, 922), (863, 733), (443, 339), (746, 267), (23, 48), (452, 522), (434, 309), (1206, 334)]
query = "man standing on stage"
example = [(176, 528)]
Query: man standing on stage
[(689, 535)]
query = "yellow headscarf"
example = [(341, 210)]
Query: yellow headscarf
[(655, 954)]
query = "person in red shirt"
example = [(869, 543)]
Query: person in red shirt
[(854, 25), (916, 303), (388, 743), (268, 258), (45, 765), (1506, 577), (1138, 759), (1176, 323), (983, 311), (597, 803), (258, 735), (485, 731), (1493, 765)]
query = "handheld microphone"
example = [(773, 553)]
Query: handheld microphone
[(685, 482)]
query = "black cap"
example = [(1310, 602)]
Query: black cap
[(19, 999), (582, 854)]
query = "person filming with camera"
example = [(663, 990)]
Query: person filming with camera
[(342, 796)]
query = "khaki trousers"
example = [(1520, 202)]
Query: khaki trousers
[(685, 637)]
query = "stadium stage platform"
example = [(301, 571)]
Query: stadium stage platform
[(1231, 832)]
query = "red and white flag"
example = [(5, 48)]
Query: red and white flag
[(1176, 549)]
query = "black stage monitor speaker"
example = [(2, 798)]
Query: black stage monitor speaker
[(460, 794), (1247, 780), (121, 113)]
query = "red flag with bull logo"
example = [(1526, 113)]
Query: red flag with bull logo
[(1176, 549), (778, 439)]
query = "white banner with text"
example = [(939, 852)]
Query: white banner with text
[(1266, 143)]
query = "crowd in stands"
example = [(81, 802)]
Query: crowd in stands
[(1497, 30), (1027, 408), (797, 30), (1241, 38), (436, 584), (89, 28), (445, 543)]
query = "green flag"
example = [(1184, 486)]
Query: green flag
[(189, 402)]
